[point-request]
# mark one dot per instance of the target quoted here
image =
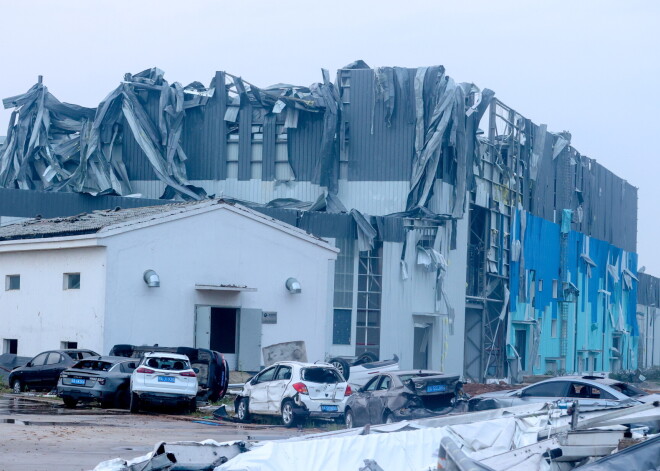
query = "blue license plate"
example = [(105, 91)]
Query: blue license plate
[(166, 379), (329, 409), (77, 381), (436, 388)]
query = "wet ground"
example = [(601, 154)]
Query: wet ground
[(41, 435)]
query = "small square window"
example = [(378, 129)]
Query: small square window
[(12, 282), (72, 281), (10, 346), (66, 345)]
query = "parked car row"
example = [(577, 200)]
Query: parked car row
[(155, 375), (295, 391)]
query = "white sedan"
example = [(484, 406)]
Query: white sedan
[(164, 378), (294, 391)]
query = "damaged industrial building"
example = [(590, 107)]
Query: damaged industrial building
[(472, 240)]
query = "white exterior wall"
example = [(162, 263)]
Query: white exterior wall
[(42, 314), (218, 247), (405, 302)]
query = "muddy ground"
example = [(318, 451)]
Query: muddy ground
[(37, 436)]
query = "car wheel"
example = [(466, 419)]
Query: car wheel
[(70, 402), (17, 386), (192, 405), (288, 417), (135, 403), (243, 412), (389, 418), (122, 399), (349, 419), (366, 357), (342, 365)]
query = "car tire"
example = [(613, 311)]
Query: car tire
[(17, 386), (288, 417), (349, 419), (243, 410), (388, 418), (366, 357), (122, 399), (69, 402), (135, 403), (192, 405), (342, 365)]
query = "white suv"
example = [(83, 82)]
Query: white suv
[(164, 378), (294, 391)]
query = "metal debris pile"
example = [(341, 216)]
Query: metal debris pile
[(543, 437)]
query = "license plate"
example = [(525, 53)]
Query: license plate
[(329, 409), (436, 388), (77, 381), (166, 379)]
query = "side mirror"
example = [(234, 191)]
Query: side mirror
[(28, 364), (519, 394), (253, 381), (196, 370)]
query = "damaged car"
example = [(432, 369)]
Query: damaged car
[(590, 392), (404, 395), (213, 369), (103, 379), (164, 378), (294, 391)]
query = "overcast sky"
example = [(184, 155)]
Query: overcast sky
[(590, 67)]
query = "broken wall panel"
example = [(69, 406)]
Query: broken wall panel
[(204, 136), (378, 150), (304, 146)]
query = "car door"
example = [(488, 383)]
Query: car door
[(51, 371), (276, 388), (259, 390), (361, 401), (378, 400), (546, 391), (32, 373)]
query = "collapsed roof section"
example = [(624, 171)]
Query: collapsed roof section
[(413, 126), (57, 146)]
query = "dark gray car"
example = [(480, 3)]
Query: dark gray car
[(403, 395), (104, 379), (43, 371)]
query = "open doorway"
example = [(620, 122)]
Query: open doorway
[(224, 333)]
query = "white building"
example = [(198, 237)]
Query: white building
[(222, 270)]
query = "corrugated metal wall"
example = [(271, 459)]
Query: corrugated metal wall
[(204, 136), (376, 151)]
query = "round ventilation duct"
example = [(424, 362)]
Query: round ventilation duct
[(152, 279)]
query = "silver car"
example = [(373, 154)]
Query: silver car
[(591, 393)]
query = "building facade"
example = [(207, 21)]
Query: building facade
[(221, 268), (422, 183)]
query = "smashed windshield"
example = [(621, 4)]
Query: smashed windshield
[(321, 375)]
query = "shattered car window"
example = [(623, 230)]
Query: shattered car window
[(628, 389), (404, 378), (164, 363), (127, 366), (321, 375), (81, 355), (94, 365)]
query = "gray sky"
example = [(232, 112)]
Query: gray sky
[(590, 67)]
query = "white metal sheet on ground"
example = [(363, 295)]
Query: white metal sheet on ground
[(413, 450)]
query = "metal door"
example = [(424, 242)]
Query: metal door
[(202, 326), (473, 344), (249, 340)]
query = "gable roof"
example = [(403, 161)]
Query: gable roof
[(110, 221)]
